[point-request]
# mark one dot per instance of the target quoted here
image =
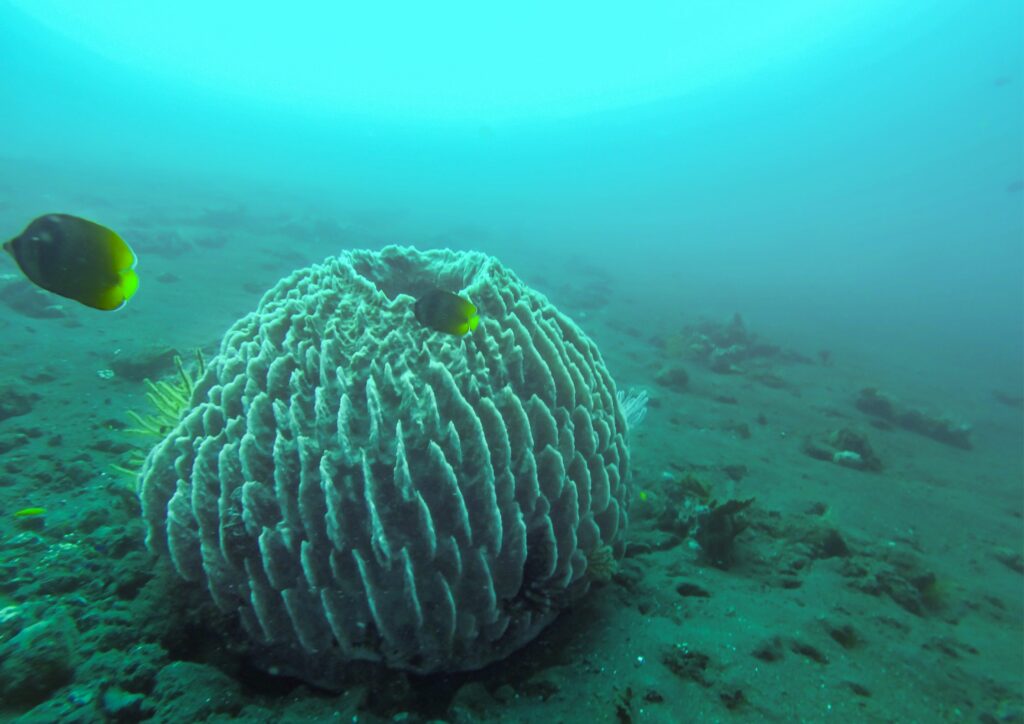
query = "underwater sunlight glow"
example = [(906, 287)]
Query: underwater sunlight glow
[(457, 59)]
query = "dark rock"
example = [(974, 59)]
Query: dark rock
[(185, 691), (1015, 401), (858, 689), (843, 634), (944, 430), (949, 646), (124, 706), (1010, 558), (844, 447), (902, 578), (542, 686), (133, 669), (828, 543), (673, 377), (629, 576), (770, 379), (805, 649), (115, 447), (15, 402), (732, 698), (388, 692), (686, 663), (505, 694), (691, 590), (475, 699), (847, 439), (10, 442), (813, 449), (40, 377), (38, 661), (735, 472), (78, 707), (717, 530), (26, 299), (742, 430), (151, 364), (770, 650)]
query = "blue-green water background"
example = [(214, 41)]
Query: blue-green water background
[(862, 190), (847, 175)]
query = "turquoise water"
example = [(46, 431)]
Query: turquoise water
[(848, 177)]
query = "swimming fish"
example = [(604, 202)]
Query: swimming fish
[(77, 259), (446, 312), (25, 513)]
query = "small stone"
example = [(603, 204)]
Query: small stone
[(692, 590), (770, 650), (848, 459)]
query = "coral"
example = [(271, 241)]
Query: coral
[(724, 347), (727, 349), (602, 564), (634, 406), (358, 487), (169, 400)]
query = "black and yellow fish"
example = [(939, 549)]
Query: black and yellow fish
[(446, 312), (77, 259)]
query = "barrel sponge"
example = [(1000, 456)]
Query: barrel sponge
[(357, 486)]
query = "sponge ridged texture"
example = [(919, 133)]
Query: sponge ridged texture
[(359, 487)]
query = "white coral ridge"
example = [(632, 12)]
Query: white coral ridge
[(357, 486)]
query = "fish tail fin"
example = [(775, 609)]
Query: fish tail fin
[(116, 296), (129, 283)]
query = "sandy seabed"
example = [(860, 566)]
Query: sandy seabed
[(846, 595)]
